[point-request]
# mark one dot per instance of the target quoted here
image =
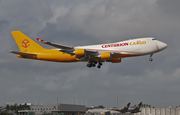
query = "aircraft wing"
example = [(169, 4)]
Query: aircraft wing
[(23, 54), (70, 50), (55, 45)]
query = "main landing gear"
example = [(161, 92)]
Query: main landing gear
[(151, 59), (93, 64), (99, 65)]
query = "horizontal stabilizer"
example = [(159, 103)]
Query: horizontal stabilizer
[(23, 54)]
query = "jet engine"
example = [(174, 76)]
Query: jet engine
[(80, 52), (106, 55)]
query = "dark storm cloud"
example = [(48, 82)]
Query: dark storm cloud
[(169, 7), (90, 22), (50, 32), (3, 24)]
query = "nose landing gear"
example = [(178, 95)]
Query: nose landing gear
[(151, 59)]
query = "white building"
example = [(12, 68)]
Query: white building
[(54, 109)]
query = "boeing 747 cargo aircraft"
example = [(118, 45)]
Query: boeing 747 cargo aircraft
[(92, 54)]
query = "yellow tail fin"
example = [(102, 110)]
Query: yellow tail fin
[(24, 43)]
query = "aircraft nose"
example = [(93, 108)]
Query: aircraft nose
[(161, 45)]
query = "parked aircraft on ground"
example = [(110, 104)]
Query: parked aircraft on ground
[(136, 109), (124, 110), (109, 110), (93, 54)]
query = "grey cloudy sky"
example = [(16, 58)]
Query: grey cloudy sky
[(83, 22)]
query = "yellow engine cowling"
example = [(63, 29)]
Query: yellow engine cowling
[(80, 52), (116, 60), (106, 55)]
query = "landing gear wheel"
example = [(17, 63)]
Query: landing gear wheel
[(95, 62), (88, 65), (93, 65), (150, 59), (99, 65)]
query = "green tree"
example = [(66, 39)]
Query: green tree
[(101, 106), (7, 107), (12, 108), (3, 113), (27, 107), (20, 107), (134, 105)]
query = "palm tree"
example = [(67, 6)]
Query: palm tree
[(20, 107), (7, 107), (12, 108), (100, 106)]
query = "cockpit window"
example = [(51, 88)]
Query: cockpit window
[(153, 39)]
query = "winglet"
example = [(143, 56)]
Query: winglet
[(40, 40)]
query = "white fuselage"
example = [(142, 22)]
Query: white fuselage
[(139, 46), (102, 111)]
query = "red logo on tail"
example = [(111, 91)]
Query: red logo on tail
[(25, 43)]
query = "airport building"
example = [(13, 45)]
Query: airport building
[(159, 111), (54, 109)]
